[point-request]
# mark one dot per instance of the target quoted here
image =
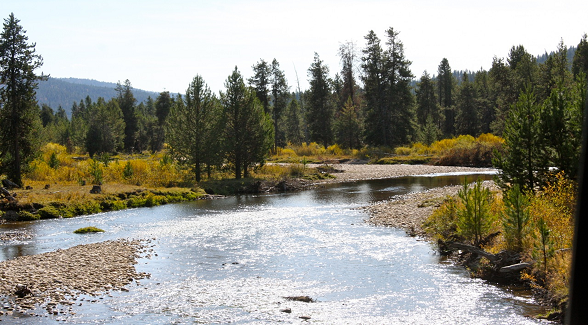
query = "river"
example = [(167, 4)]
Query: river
[(234, 260)]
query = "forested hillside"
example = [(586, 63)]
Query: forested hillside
[(56, 92)]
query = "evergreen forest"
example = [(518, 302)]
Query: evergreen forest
[(371, 101)]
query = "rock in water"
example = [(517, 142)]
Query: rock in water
[(300, 298), (22, 291)]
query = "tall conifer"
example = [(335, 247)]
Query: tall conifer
[(19, 118)]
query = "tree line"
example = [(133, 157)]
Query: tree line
[(371, 101)]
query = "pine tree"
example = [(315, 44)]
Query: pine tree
[(194, 128), (389, 112), (18, 108), (554, 73), (523, 67), (466, 120), (348, 57), (348, 126), (261, 80), (399, 96), (445, 92), (105, 127), (501, 85), (376, 117), (580, 61), (163, 104), (445, 83), (79, 122), (280, 97), (516, 218), (248, 133), (127, 103), (475, 218), (524, 161), (426, 101), (320, 111), (46, 115), (562, 117), (293, 124), (484, 101)]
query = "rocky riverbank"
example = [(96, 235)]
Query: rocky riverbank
[(50, 283), (410, 211), (350, 172)]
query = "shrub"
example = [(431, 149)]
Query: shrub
[(152, 200), (95, 170), (335, 150), (288, 152), (556, 205), (27, 216), (136, 202), (403, 151), (312, 149), (53, 161), (543, 249), (128, 170), (420, 149), (48, 212), (515, 218), (86, 230), (442, 224), (475, 218)]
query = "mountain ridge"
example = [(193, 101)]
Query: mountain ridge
[(63, 92)]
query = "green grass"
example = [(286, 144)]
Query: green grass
[(86, 230)]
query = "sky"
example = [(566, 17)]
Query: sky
[(163, 45)]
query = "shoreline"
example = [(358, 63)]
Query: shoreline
[(361, 172), (50, 283), (409, 211)]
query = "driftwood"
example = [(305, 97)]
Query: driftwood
[(9, 184), (503, 262), (474, 250), (4, 193), (514, 268)]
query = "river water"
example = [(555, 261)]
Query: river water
[(234, 260)]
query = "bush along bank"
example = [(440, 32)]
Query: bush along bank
[(27, 206), (513, 237)]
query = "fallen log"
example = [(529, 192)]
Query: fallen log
[(4, 193), (474, 250), (514, 268), (9, 184)]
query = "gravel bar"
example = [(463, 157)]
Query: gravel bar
[(55, 280)]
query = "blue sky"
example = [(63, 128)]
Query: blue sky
[(162, 45)]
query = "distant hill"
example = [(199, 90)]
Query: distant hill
[(64, 92)]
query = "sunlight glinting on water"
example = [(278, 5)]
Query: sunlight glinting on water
[(235, 261), (365, 277)]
